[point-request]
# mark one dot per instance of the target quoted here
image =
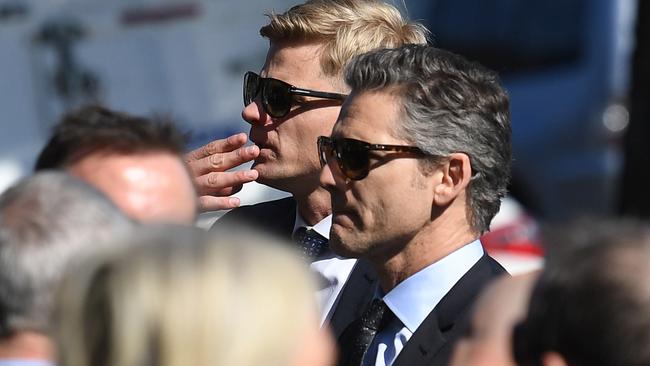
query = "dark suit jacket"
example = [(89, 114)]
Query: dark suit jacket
[(433, 341), (274, 217), (278, 218)]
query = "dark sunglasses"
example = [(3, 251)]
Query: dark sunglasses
[(353, 156), (277, 96)]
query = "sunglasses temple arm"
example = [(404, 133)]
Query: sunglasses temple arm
[(314, 93)]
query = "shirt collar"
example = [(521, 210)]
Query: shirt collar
[(322, 227), (25, 362), (414, 298)]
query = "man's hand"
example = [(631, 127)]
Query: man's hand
[(208, 165)]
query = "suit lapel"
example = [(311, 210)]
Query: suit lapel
[(290, 221), (357, 293), (273, 217), (283, 217), (423, 345), (433, 341)]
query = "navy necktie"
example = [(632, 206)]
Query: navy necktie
[(311, 243), (357, 337)]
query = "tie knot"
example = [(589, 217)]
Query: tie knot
[(357, 337), (374, 316), (311, 243)]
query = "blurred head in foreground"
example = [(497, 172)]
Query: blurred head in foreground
[(183, 298), (591, 305), (47, 222), (500, 306), (137, 162)]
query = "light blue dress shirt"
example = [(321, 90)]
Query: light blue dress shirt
[(21, 362), (414, 298)]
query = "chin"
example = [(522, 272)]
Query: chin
[(260, 165), (278, 182), (343, 246), (265, 169)]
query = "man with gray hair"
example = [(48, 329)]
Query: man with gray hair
[(416, 166), (45, 221)]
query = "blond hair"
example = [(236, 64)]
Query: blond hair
[(180, 299), (346, 28)]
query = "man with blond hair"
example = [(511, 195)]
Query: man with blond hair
[(296, 97)]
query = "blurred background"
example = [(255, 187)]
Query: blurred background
[(576, 70)]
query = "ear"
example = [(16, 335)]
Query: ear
[(455, 175), (553, 359)]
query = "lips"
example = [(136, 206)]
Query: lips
[(257, 142), (340, 203), (343, 216), (339, 218), (265, 155), (260, 140)]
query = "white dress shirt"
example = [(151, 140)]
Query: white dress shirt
[(414, 298), (332, 269)]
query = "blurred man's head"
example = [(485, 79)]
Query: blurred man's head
[(135, 161), (422, 145), (499, 307), (591, 305), (309, 46), (46, 221)]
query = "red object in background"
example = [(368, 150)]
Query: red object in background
[(514, 239), (520, 236)]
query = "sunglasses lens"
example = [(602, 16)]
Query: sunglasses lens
[(277, 98), (324, 150), (354, 159), (251, 87)]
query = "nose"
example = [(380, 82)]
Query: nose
[(331, 177), (326, 177), (254, 114)]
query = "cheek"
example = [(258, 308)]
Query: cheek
[(311, 124), (368, 204), (182, 211), (389, 201), (293, 139)]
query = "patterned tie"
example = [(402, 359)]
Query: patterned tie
[(357, 337), (311, 243)]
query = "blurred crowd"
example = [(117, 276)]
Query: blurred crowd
[(397, 158)]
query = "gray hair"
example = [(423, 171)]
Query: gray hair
[(449, 105), (45, 221)]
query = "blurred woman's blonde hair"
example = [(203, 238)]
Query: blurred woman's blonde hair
[(346, 28), (182, 298)]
